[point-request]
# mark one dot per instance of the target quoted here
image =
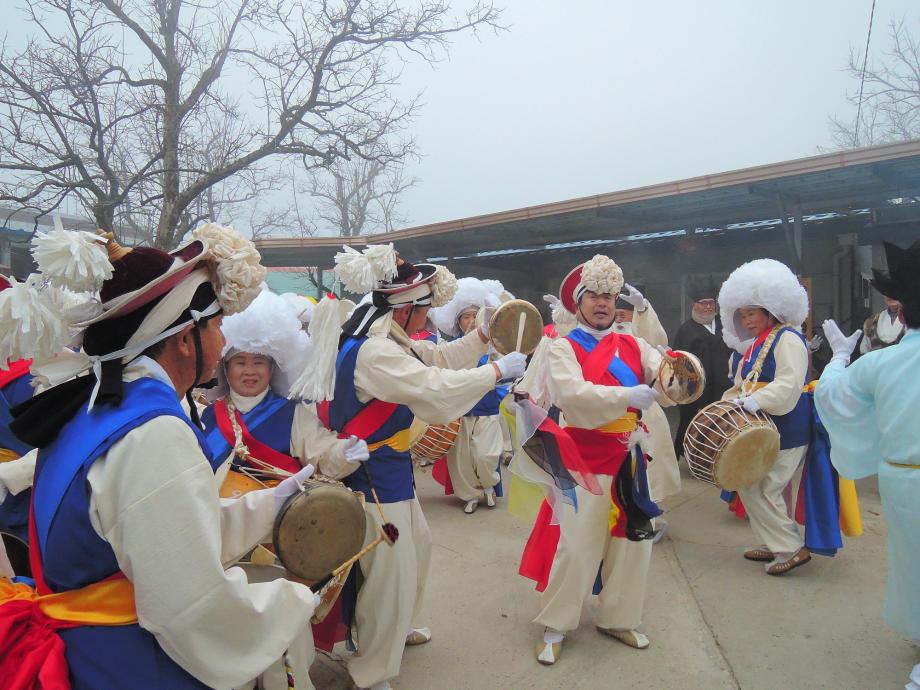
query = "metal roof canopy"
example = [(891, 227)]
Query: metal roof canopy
[(866, 178)]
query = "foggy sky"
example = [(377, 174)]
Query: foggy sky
[(593, 96)]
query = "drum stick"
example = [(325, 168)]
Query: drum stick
[(522, 321)]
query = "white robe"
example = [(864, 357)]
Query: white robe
[(870, 412), (154, 500), (416, 373)]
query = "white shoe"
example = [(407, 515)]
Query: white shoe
[(660, 532), (490, 499), (382, 685), (471, 506), (418, 636)]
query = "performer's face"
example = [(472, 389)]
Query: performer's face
[(892, 304), (755, 320), (597, 311), (412, 320), (212, 344), (248, 374), (467, 320), (623, 315)]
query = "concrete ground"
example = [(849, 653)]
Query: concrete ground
[(714, 619)]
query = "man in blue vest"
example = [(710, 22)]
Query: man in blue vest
[(129, 539), (372, 379)]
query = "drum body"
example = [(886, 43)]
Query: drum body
[(236, 484), (682, 379), (730, 447), (318, 529), (515, 318), (437, 440)]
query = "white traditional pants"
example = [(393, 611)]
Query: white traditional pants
[(766, 506), (473, 460), (391, 596), (584, 542), (663, 472)]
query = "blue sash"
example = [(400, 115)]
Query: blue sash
[(617, 367)]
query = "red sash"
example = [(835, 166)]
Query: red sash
[(14, 370), (364, 424), (261, 451)]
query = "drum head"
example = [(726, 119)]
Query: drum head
[(682, 379), (319, 529), (506, 321), (17, 551), (746, 458)]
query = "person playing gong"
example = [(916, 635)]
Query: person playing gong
[(597, 542), (764, 300), (473, 461), (130, 537), (371, 379)]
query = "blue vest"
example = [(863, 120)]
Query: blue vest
[(74, 556), (795, 426), (390, 470), (488, 405), (269, 422), (14, 511)]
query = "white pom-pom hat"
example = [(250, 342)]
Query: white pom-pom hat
[(764, 283), (600, 274), (270, 327), (472, 294)]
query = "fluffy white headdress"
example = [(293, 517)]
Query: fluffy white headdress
[(763, 283), (364, 271), (269, 326), (602, 275), (302, 306), (471, 293)]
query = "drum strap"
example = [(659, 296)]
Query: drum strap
[(247, 447), (750, 382)]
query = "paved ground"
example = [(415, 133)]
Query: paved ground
[(714, 619)]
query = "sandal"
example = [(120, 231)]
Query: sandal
[(801, 557), (758, 554)]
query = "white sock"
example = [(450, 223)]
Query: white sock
[(551, 636)]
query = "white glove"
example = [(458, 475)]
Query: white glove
[(512, 366), (551, 300), (748, 403), (317, 600), (291, 486), (641, 397), (841, 345), (486, 318), (4, 492), (634, 297), (356, 450), (815, 343)]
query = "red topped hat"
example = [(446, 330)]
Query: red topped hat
[(600, 275)]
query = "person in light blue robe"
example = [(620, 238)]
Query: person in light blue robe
[(870, 412)]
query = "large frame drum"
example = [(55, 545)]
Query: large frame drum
[(730, 447)]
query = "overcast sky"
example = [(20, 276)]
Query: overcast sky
[(594, 96)]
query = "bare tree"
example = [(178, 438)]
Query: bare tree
[(890, 108), (112, 101), (359, 196)]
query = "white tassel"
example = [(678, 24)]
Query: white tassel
[(363, 271), (29, 324), (317, 382), (74, 260)]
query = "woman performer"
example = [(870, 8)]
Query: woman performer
[(473, 461), (762, 299), (870, 412)]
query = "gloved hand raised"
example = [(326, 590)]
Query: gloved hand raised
[(551, 300), (634, 297), (291, 486), (356, 450), (841, 345), (815, 343), (487, 313), (641, 397), (511, 366)]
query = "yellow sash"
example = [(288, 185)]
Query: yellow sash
[(6, 455), (110, 602), (623, 425), (398, 442)]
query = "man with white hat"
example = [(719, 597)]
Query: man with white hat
[(130, 538), (370, 379), (598, 378), (763, 299), (473, 460)]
